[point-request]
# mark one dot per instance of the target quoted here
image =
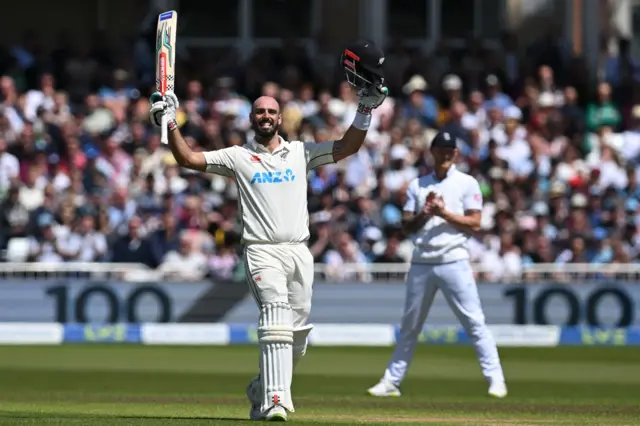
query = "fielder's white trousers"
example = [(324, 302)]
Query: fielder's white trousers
[(459, 289), (281, 273)]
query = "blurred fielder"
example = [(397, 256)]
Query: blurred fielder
[(442, 209), (271, 175)]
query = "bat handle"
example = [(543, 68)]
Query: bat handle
[(164, 137)]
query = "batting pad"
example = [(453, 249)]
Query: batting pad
[(275, 335), (300, 342)]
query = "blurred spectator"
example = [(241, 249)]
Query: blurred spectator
[(400, 172), (9, 167), (87, 244), (390, 254), (134, 247), (223, 262), (44, 246), (495, 96), (502, 260), (187, 262), (555, 147), (603, 112), (14, 217), (419, 105), (165, 239), (345, 251)]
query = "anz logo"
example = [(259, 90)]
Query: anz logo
[(273, 177)]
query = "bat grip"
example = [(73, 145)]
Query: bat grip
[(164, 136)]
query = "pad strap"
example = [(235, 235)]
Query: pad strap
[(300, 336)]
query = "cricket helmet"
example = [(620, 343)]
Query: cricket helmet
[(362, 62)]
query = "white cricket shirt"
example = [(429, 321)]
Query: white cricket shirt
[(437, 241), (272, 187)]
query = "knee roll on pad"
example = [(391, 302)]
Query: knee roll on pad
[(275, 335)]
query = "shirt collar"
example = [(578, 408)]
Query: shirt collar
[(451, 171), (262, 149)]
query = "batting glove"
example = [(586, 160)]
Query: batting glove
[(371, 98), (164, 106)]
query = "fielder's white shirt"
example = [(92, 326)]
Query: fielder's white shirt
[(272, 187), (438, 241)]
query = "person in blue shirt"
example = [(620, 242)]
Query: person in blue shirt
[(419, 105), (494, 95)]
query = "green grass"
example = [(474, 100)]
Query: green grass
[(137, 385)]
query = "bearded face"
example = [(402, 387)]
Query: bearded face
[(265, 124)]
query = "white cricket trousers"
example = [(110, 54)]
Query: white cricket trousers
[(458, 286), (281, 273)]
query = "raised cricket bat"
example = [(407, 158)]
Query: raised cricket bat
[(166, 59)]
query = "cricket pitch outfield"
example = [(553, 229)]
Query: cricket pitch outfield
[(144, 385)]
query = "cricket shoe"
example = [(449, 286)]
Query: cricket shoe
[(276, 413), (254, 390), (498, 390), (384, 388)]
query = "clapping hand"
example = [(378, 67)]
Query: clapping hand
[(434, 205)]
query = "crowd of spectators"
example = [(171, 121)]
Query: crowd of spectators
[(84, 178)]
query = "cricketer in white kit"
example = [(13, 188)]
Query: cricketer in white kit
[(271, 175), (441, 210)]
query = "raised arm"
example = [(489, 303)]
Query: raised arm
[(354, 137), (219, 162), (183, 154), (349, 144)]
